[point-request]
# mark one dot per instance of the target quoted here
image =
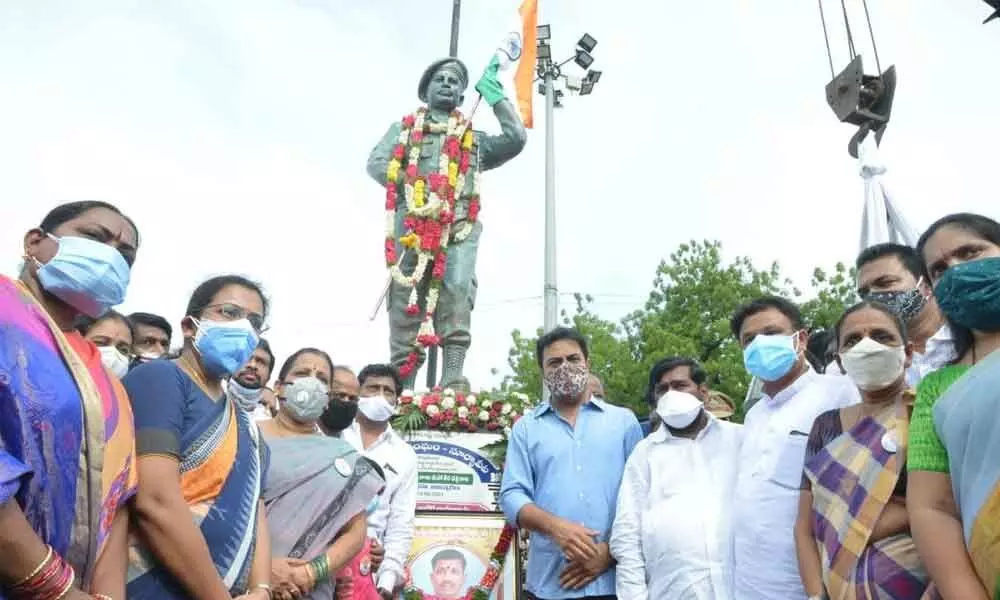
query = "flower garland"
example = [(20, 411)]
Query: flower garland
[(430, 212), (490, 578), (447, 410)]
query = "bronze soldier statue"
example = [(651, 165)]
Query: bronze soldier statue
[(417, 168)]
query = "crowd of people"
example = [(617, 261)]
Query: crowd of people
[(870, 467)]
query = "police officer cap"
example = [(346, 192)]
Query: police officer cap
[(425, 79)]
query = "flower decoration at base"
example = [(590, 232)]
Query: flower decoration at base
[(489, 579), (429, 221), (448, 410)]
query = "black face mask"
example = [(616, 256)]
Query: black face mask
[(339, 415)]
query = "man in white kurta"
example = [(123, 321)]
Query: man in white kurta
[(775, 431), (671, 535)]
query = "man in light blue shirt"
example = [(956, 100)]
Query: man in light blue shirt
[(565, 461)]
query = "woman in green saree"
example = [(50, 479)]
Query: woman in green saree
[(954, 456)]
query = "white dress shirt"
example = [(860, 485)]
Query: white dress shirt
[(775, 431), (938, 352), (671, 535), (391, 523)]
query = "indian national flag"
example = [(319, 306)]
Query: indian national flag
[(525, 73)]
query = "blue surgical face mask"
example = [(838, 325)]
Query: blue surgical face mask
[(771, 357), (224, 346), (969, 294), (85, 274)]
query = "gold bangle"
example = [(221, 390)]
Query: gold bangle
[(101, 597), (266, 587), (38, 569)]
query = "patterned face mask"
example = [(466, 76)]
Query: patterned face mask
[(904, 304), (568, 380)]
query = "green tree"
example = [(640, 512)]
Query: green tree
[(687, 314), (609, 354), (835, 292)]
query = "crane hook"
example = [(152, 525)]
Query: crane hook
[(862, 100)]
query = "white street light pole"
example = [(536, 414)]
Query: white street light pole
[(550, 72), (551, 289)]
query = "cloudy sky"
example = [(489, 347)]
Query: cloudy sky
[(235, 132)]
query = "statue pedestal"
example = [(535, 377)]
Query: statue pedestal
[(460, 441)]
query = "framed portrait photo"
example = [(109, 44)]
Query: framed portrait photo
[(451, 552)]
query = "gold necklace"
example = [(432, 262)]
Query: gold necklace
[(184, 363)]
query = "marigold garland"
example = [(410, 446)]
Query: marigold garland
[(430, 213), (489, 580)]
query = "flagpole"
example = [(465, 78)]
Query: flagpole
[(456, 15)]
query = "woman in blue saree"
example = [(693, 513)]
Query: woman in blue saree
[(200, 525), (954, 456), (318, 486)]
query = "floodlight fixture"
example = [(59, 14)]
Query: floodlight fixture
[(995, 5), (587, 42), (586, 87), (544, 51), (594, 76), (543, 33), (583, 59)]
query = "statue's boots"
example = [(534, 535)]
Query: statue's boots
[(410, 380), (451, 375)]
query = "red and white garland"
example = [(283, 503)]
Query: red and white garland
[(430, 212)]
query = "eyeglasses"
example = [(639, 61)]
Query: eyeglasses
[(235, 312)]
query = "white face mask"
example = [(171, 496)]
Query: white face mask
[(873, 366), (115, 361), (678, 409), (376, 408)]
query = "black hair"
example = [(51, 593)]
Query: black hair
[(83, 323), (560, 334), (382, 370), (266, 347), (65, 213), (290, 361), (906, 255), (759, 305), (817, 348), (151, 320), (986, 229), (203, 295), (900, 326), (448, 554), (665, 365)]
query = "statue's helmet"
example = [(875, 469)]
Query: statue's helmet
[(425, 79)]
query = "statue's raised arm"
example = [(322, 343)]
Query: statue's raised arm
[(495, 150), (429, 166)]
